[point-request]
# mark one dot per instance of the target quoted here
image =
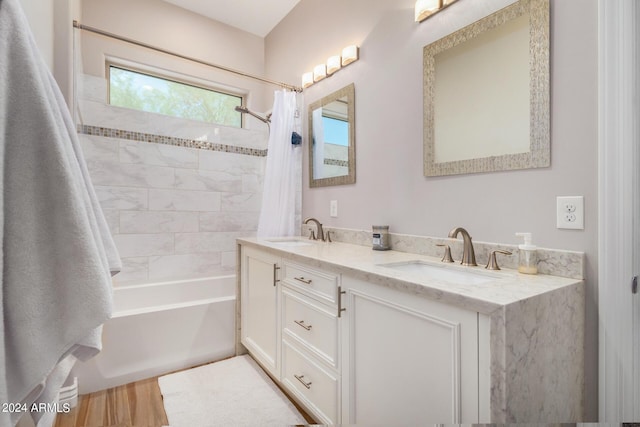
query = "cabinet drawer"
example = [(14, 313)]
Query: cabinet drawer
[(313, 282), (311, 323), (317, 388)]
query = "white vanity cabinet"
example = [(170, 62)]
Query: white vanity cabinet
[(409, 360), (260, 308), (289, 323), (358, 353), (311, 340), (358, 343)]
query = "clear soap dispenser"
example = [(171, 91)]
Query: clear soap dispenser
[(528, 256)]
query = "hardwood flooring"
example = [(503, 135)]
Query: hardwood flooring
[(138, 404)]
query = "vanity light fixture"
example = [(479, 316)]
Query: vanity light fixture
[(319, 72), (426, 8), (334, 63), (349, 54), (307, 79)]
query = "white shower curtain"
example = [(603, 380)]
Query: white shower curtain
[(277, 216)]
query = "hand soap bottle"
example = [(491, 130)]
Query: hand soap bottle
[(528, 257)]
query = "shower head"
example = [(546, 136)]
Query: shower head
[(244, 110)]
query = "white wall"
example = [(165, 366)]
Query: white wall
[(390, 187), (40, 16), (51, 24)]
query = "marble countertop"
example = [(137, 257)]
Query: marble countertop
[(504, 287)]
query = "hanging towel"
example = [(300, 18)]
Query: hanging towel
[(57, 253)]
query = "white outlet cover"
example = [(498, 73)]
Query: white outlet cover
[(333, 208), (570, 212)]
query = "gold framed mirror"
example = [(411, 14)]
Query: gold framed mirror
[(332, 147), (486, 94)]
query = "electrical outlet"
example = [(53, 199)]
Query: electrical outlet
[(570, 212), (333, 209)]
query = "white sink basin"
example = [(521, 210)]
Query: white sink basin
[(290, 242), (425, 270)]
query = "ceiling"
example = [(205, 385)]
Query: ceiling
[(256, 17)]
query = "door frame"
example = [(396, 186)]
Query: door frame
[(618, 63)]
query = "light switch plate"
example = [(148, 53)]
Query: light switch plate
[(570, 212), (333, 208)]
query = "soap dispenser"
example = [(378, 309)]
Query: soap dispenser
[(528, 257)]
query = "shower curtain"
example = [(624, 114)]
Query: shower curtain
[(277, 216)]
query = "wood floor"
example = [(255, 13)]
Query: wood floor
[(137, 404)]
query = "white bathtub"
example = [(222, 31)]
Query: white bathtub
[(162, 327)]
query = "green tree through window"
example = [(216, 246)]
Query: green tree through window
[(131, 89)]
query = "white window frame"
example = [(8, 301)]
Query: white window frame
[(172, 76)]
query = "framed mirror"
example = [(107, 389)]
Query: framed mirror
[(332, 159), (486, 94)]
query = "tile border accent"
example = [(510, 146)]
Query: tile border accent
[(336, 162), (167, 140)]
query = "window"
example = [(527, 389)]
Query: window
[(336, 131), (144, 92)]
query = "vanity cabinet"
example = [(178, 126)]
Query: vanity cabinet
[(409, 360), (357, 342), (260, 307), (311, 339), (354, 352), (289, 316)]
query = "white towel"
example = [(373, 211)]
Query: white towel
[(57, 254)]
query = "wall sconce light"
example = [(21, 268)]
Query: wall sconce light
[(426, 8), (307, 79), (319, 72), (334, 63), (349, 54)]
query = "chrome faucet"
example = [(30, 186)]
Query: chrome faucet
[(318, 226), (468, 255)]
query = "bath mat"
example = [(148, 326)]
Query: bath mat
[(232, 392)]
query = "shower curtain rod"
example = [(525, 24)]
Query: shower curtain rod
[(79, 26)]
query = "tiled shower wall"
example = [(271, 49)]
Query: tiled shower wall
[(174, 210)]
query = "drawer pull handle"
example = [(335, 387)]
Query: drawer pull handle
[(340, 307), (301, 324), (304, 383), (275, 274), (303, 280)]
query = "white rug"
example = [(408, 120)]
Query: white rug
[(232, 392)]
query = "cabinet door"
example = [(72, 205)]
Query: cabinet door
[(260, 305), (408, 360)]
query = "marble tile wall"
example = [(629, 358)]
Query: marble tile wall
[(176, 193)]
